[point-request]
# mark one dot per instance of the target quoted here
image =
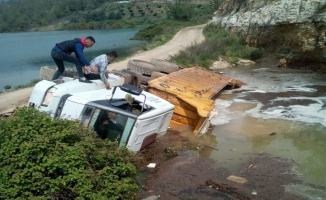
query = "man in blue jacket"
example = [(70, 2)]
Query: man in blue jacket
[(62, 52)]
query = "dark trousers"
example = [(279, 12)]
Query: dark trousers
[(92, 76), (59, 57)]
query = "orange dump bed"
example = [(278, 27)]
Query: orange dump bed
[(192, 91)]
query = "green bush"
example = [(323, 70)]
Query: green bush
[(148, 33), (7, 87), (45, 158), (180, 10)]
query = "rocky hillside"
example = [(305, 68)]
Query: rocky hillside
[(295, 29)]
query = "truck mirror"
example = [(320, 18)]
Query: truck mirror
[(131, 89)]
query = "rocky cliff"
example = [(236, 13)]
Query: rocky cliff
[(294, 29)]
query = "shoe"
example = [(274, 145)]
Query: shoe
[(85, 81), (129, 99)]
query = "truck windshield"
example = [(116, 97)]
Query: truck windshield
[(108, 124)]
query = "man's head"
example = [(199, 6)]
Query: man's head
[(89, 41), (112, 116), (112, 55)]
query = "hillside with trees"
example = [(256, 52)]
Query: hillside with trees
[(29, 15)]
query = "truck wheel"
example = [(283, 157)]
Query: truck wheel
[(156, 75), (145, 79), (143, 67), (165, 66)]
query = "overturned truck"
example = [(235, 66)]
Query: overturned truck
[(191, 90)]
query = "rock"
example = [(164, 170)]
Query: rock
[(152, 198), (282, 63), (246, 62), (295, 28), (221, 64)]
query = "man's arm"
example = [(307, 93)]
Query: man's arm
[(103, 69), (80, 54)]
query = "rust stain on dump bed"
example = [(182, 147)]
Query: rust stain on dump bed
[(192, 91)]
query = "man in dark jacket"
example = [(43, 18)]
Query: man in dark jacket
[(110, 129), (62, 52)]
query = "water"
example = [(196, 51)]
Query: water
[(22, 54), (281, 112)]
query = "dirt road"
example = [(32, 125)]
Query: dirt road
[(184, 38)]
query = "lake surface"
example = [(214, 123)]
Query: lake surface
[(22, 54)]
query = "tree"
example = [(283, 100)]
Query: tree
[(180, 10), (44, 158)]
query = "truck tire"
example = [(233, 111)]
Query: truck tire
[(145, 79), (143, 67), (165, 66), (156, 75)]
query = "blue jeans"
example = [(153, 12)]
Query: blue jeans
[(59, 57)]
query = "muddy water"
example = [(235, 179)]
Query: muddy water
[(281, 112), (278, 111)]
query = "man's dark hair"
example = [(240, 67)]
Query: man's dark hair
[(112, 53), (90, 38)]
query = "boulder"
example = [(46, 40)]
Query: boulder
[(220, 64), (282, 63), (294, 29), (245, 62)]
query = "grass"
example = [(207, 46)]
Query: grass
[(30, 84), (218, 43)]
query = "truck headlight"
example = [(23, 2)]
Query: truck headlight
[(48, 96)]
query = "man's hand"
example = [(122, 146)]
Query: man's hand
[(94, 69), (107, 85), (85, 70)]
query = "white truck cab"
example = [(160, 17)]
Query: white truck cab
[(133, 124), (47, 95)]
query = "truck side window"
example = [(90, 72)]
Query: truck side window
[(86, 114)]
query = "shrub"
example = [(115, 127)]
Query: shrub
[(180, 10), (7, 87), (148, 33), (45, 158), (256, 54)]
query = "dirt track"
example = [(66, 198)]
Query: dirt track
[(184, 38)]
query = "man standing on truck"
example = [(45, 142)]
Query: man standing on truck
[(98, 67), (62, 52)]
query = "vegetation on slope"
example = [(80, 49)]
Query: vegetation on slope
[(24, 15), (218, 43), (45, 158)]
